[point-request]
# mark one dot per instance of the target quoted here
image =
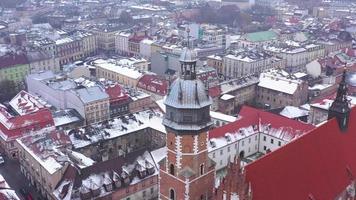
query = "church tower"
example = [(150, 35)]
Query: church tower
[(187, 173), (340, 108)]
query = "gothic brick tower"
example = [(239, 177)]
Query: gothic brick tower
[(234, 185), (187, 172)]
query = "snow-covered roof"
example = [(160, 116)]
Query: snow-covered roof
[(92, 94), (44, 147), (117, 127), (24, 103), (293, 112), (81, 160), (222, 116), (320, 86), (226, 97), (124, 67), (248, 56), (64, 40), (46, 75), (326, 103), (98, 177), (279, 80), (62, 84), (63, 117), (253, 121)]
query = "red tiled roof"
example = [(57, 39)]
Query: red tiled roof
[(252, 116), (12, 59), (215, 91), (318, 164), (153, 83), (15, 126), (116, 93)]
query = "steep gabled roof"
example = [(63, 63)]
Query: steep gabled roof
[(320, 164), (116, 93), (11, 126), (154, 83)]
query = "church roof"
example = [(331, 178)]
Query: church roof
[(318, 165), (188, 94)]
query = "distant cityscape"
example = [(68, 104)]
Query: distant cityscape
[(177, 100)]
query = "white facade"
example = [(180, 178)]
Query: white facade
[(45, 64), (94, 107), (122, 43), (246, 142), (236, 66), (146, 48)]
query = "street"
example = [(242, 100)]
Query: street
[(10, 170)]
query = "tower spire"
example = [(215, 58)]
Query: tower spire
[(188, 61), (188, 35), (340, 108)]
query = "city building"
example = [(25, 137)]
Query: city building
[(297, 55), (107, 160), (124, 71), (247, 63), (277, 88), (258, 39), (42, 61), (25, 115), (68, 50), (40, 159), (216, 62), (92, 102), (236, 93), (119, 136), (14, 67), (253, 134), (122, 43), (156, 86), (119, 100)]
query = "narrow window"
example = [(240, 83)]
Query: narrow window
[(201, 169), (171, 169), (172, 194)]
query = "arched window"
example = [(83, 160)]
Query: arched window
[(201, 169), (171, 169), (172, 195)]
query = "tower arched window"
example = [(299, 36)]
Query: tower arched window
[(171, 169), (172, 194)]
